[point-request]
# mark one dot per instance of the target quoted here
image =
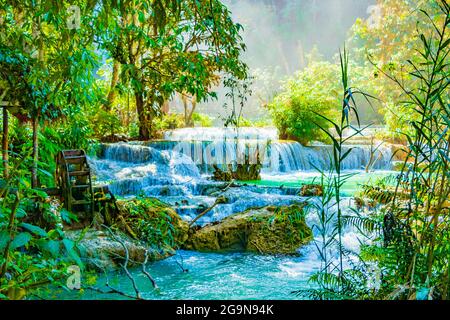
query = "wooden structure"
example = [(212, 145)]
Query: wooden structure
[(74, 181)]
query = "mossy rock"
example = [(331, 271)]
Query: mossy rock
[(267, 230), (311, 190), (152, 221)]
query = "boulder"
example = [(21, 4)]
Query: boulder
[(267, 230), (139, 225), (152, 221), (99, 250)]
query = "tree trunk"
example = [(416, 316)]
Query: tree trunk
[(185, 105), (144, 124), (188, 113), (191, 113), (5, 144), (112, 89), (165, 107), (34, 169)]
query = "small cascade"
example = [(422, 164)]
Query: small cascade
[(212, 134), (133, 169), (133, 153), (288, 156)]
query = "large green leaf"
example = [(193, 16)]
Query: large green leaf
[(21, 240), (34, 229), (4, 238)]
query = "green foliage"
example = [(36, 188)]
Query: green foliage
[(333, 280), (34, 250), (237, 95), (419, 211), (166, 55), (106, 123), (202, 120), (153, 222), (409, 232), (167, 122), (390, 41), (312, 91)]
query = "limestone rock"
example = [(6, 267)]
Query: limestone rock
[(267, 230), (99, 250), (141, 215)]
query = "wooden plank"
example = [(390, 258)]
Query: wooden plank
[(79, 173), (81, 186), (72, 153)]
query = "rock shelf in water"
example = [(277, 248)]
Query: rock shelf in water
[(267, 230)]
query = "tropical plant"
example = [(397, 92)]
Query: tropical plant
[(424, 212), (334, 281), (311, 92), (34, 249)]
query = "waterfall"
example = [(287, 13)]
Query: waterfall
[(133, 169), (177, 171), (223, 146), (288, 156), (276, 156), (211, 134)]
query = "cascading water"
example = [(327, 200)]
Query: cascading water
[(173, 177), (295, 157), (176, 171), (208, 146), (135, 169)]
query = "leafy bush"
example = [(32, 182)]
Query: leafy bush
[(106, 123), (167, 122), (202, 120), (154, 222), (310, 92), (33, 247)]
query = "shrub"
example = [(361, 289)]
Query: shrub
[(308, 93), (167, 122), (202, 120)]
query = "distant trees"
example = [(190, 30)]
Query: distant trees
[(311, 91), (389, 40)]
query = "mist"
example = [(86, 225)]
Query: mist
[(279, 34)]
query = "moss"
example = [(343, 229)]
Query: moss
[(311, 190), (153, 222), (268, 230)]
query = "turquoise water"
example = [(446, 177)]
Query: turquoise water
[(297, 179), (212, 276), (230, 275)]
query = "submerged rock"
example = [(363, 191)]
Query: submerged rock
[(267, 230), (311, 190), (99, 250)]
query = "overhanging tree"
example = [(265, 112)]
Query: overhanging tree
[(46, 65), (165, 47)]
